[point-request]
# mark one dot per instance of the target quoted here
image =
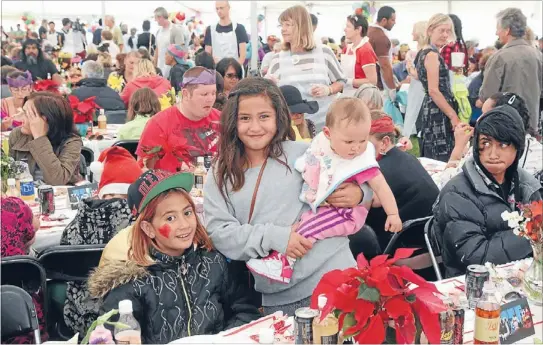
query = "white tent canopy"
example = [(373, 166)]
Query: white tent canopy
[(478, 17)]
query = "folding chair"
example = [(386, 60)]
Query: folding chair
[(433, 247), (63, 264), (130, 145), (88, 154), (27, 273), (19, 314), (411, 227)]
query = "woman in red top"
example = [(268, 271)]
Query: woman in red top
[(359, 61)]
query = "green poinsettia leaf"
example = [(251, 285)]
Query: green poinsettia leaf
[(349, 321), (369, 294), (154, 150), (337, 313), (411, 298)]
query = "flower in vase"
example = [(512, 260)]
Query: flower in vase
[(367, 297)]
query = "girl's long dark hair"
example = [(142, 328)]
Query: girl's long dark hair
[(231, 160), (59, 115), (458, 32)]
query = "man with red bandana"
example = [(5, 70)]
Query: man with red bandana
[(175, 137)]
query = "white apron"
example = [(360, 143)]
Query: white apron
[(290, 73), (348, 63), (224, 44)]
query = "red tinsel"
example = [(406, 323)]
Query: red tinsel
[(46, 85), (83, 110), (365, 298)]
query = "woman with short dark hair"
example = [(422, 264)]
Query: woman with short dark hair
[(48, 140), (468, 222), (231, 71)]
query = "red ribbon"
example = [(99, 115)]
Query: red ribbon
[(382, 125)]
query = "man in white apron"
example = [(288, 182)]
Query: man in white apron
[(166, 35), (226, 39)]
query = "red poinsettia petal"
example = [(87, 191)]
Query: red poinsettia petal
[(374, 333), (361, 261), (378, 260), (362, 311), (406, 330), (401, 253), (397, 306), (427, 297), (429, 321), (407, 273), (328, 285)]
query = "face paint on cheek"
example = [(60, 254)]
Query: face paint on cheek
[(165, 230)]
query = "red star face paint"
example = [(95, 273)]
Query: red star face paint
[(165, 230)]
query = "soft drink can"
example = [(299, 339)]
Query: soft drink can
[(476, 276), (303, 325), (458, 332), (46, 196)]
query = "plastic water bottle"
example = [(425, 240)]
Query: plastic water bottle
[(132, 334), (26, 186)]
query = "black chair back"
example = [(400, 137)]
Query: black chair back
[(116, 117), (70, 263), (88, 155), (27, 273), (411, 236), (434, 248), (19, 314), (130, 145)]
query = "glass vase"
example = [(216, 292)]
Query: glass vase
[(533, 277)]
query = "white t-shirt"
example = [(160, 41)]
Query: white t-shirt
[(162, 43)]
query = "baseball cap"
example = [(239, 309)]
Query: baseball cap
[(296, 104), (154, 182)]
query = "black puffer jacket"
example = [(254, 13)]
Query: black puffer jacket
[(106, 97), (176, 297), (469, 226), (176, 75)]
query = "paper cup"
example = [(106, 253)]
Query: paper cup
[(457, 59)]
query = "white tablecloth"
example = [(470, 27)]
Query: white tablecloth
[(97, 146)]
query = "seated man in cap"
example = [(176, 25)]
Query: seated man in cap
[(175, 137), (176, 59)]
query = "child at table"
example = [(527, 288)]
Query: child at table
[(340, 153), (178, 284), (19, 228), (96, 222)]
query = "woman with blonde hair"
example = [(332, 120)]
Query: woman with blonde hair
[(143, 105), (439, 116), (415, 94), (125, 74), (313, 69), (178, 284), (145, 76)]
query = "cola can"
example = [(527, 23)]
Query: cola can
[(303, 325), (458, 331), (476, 276), (46, 196)]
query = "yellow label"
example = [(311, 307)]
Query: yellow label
[(487, 330)]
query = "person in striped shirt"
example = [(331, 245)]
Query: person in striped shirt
[(312, 68)]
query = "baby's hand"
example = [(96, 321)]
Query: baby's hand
[(393, 223)]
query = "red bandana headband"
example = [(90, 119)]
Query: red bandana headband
[(382, 125)]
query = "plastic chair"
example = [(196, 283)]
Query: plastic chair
[(130, 145), (88, 154), (433, 247), (63, 264), (116, 117), (70, 263), (27, 273), (19, 314)]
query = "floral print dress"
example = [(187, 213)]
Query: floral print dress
[(437, 136)]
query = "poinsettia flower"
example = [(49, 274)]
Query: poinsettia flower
[(374, 333)]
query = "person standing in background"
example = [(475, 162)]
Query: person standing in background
[(314, 21), (439, 117), (42, 30), (52, 34), (146, 39), (517, 67), (166, 35), (457, 46), (130, 41), (226, 39), (97, 34), (109, 22), (379, 40), (70, 40)]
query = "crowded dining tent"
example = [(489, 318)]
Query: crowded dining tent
[(289, 172)]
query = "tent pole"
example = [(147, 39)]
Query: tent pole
[(254, 37), (103, 13), (265, 24), (449, 6)]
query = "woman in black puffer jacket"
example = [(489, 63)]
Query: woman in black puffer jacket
[(468, 212), (179, 286)]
